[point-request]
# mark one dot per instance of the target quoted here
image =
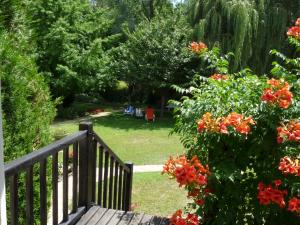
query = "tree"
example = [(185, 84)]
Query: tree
[(72, 39), (156, 55), (248, 28), (27, 107)]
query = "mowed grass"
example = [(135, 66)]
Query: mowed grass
[(156, 194), (132, 139), (142, 143)]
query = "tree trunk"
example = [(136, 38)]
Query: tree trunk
[(162, 103), (151, 9)]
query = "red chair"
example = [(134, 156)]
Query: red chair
[(149, 115)]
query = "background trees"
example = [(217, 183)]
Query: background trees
[(73, 39), (248, 28), (156, 56)]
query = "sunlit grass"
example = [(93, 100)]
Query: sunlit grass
[(132, 139), (156, 194)]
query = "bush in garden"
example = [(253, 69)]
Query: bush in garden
[(27, 110), (246, 129)]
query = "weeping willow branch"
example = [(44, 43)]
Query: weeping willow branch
[(249, 28)]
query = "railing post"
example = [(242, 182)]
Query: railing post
[(85, 166), (128, 184)]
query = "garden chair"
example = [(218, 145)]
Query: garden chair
[(129, 110), (139, 112), (149, 115)]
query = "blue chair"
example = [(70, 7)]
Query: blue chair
[(129, 110)]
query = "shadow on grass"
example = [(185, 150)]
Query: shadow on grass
[(119, 121)]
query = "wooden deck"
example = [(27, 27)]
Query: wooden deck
[(101, 216)]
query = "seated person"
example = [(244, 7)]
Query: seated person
[(149, 114), (129, 110)]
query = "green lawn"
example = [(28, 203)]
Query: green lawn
[(155, 194), (131, 138), (142, 143)]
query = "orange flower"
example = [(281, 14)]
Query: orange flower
[(207, 122), (278, 84), (200, 202), (219, 77), (198, 47), (294, 32), (240, 124), (294, 205), (268, 194), (187, 172), (278, 93), (277, 182), (289, 166), (289, 132), (178, 219), (220, 125)]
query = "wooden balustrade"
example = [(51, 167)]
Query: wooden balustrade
[(99, 177)]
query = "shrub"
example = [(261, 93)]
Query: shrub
[(27, 108), (247, 129)]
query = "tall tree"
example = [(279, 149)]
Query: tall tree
[(249, 28), (72, 40), (156, 56), (27, 108)]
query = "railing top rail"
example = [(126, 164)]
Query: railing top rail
[(24, 162), (110, 151)]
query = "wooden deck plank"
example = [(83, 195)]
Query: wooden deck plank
[(146, 220), (97, 216), (165, 221), (102, 216), (126, 218), (137, 218), (86, 217), (116, 218), (155, 220), (105, 218)]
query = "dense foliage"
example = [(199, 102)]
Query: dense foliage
[(248, 28), (73, 39), (51, 49), (27, 107), (26, 102), (156, 55), (246, 129)]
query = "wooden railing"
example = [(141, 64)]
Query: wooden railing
[(99, 177)]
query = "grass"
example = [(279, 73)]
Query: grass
[(155, 194), (142, 143), (132, 139)]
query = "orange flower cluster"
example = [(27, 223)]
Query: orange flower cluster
[(294, 205), (279, 93), (207, 122), (217, 76), (198, 195), (187, 172), (289, 166), (191, 174), (295, 31), (198, 47), (178, 219), (220, 125), (271, 194), (289, 132)]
